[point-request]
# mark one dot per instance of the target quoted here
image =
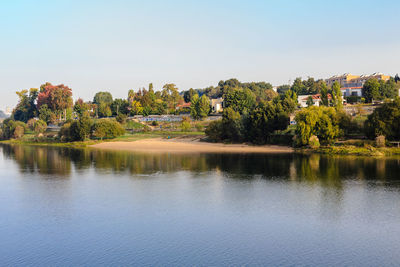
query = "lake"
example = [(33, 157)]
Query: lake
[(63, 206)]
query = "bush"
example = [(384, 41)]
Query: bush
[(385, 120), (185, 126), (31, 124), (39, 127), (77, 130), (380, 141), (18, 132), (213, 130), (314, 142), (9, 127), (64, 132), (121, 118), (154, 123), (105, 128)]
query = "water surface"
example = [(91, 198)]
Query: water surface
[(80, 207)]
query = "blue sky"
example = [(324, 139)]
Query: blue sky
[(121, 45)]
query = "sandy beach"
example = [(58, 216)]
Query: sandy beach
[(158, 145)]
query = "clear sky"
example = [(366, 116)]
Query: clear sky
[(119, 45)]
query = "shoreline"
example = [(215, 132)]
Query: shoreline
[(188, 146), (193, 144)]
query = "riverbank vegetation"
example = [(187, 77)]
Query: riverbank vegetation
[(252, 113)]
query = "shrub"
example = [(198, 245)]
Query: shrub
[(121, 118), (154, 123), (9, 127), (39, 127), (380, 141), (213, 130), (314, 142), (385, 120), (31, 124), (77, 130), (107, 129), (185, 126), (18, 132), (64, 132)]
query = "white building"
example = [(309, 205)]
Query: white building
[(217, 105), (302, 99), (351, 91)]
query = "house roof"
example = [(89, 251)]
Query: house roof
[(184, 105), (315, 97)]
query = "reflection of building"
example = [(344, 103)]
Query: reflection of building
[(348, 80), (217, 105), (303, 99)]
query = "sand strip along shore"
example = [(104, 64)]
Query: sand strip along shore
[(158, 145)]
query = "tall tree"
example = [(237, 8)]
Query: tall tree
[(26, 107), (103, 97), (58, 98), (170, 95), (324, 94), (188, 95), (370, 90), (337, 100), (200, 107), (240, 100), (388, 89)]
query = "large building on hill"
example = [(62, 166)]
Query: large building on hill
[(351, 85), (349, 80)]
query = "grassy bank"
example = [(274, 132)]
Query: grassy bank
[(30, 139), (358, 148), (356, 151)]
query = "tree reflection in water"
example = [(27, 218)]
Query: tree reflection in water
[(326, 171)]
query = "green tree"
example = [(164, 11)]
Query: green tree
[(337, 100), (170, 95), (388, 89), (12, 129), (45, 114), (26, 107), (120, 106), (188, 95), (385, 120), (310, 101), (241, 100), (324, 94), (322, 122), (81, 107), (104, 110), (262, 121), (194, 111), (200, 107), (204, 106), (298, 87), (283, 89), (39, 127), (231, 125), (370, 90), (103, 97), (105, 128)]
